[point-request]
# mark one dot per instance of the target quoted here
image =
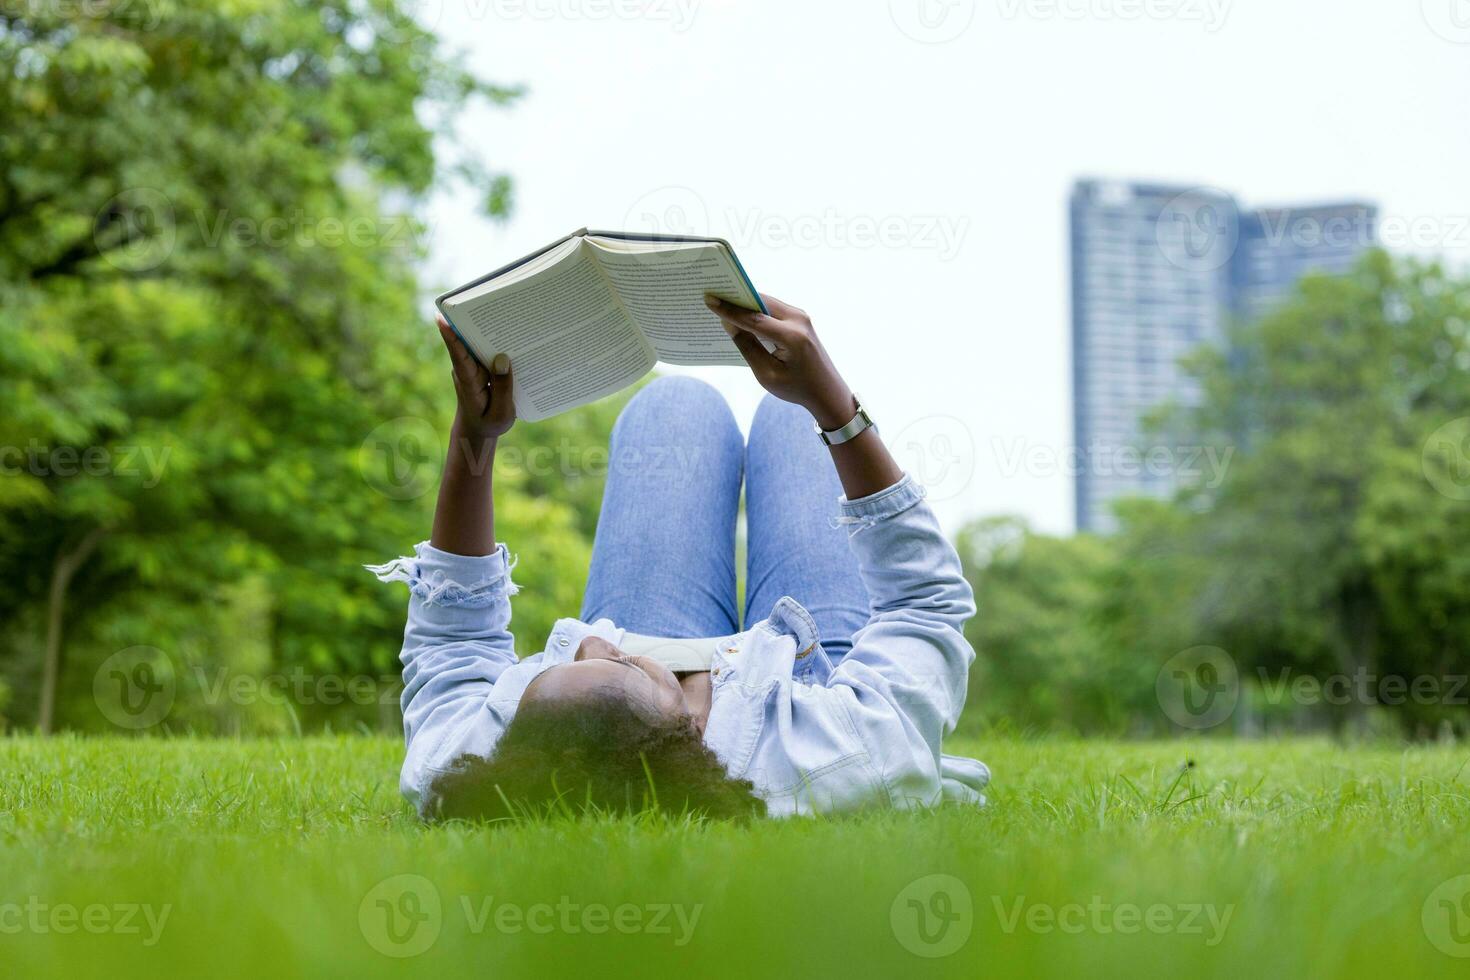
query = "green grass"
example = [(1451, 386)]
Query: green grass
[(265, 853)]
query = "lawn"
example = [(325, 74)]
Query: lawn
[(296, 858)]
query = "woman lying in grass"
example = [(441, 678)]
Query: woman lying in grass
[(837, 693)]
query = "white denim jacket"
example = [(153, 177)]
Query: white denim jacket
[(808, 736)]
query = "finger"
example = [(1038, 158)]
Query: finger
[(780, 308), (502, 391), (761, 361), (466, 368), (452, 343), (752, 320), (729, 312)]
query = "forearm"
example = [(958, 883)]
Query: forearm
[(464, 518)]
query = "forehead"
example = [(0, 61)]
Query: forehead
[(584, 676)]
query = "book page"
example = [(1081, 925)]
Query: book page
[(569, 339), (663, 288)]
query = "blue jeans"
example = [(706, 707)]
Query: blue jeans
[(663, 563)]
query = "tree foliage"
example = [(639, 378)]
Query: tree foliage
[(1337, 546), (219, 392), (1338, 543)]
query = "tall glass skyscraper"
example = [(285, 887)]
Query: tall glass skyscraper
[(1156, 271)]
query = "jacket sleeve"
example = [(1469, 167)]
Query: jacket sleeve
[(906, 676), (455, 647)]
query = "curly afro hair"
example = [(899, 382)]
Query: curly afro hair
[(592, 756)]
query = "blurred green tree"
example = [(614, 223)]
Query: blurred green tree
[(219, 395), (1336, 548), (1041, 660), (1337, 545)]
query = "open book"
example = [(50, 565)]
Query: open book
[(592, 313)]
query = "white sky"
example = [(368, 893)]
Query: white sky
[(901, 169)]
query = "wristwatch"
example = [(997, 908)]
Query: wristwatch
[(860, 422)]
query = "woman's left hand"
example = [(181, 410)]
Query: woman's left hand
[(486, 408), (796, 368)]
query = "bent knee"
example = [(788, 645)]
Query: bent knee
[(679, 388), (678, 398), (774, 415)]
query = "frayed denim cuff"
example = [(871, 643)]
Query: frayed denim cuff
[(867, 511), (451, 580)]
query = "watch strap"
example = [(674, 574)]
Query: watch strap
[(860, 423)]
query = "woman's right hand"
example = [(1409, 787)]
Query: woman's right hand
[(798, 370), (464, 520), (486, 408)]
